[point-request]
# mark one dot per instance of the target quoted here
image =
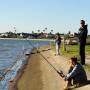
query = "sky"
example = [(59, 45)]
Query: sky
[(32, 15)]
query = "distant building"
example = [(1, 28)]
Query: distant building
[(21, 35), (40, 35), (3, 34)]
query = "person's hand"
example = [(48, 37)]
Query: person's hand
[(65, 78), (61, 74)]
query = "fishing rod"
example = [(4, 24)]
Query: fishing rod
[(59, 72)]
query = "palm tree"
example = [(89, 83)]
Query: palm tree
[(69, 32), (44, 31), (14, 29), (32, 32), (38, 31), (51, 31), (46, 28), (15, 32)]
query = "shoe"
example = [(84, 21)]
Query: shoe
[(66, 88)]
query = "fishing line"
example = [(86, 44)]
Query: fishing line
[(59, 72)]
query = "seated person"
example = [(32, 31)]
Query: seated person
[(76, 74)]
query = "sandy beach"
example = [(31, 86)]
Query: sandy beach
[(39, 75)]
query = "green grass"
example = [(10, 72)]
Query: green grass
[(72, 50), (88, 49), (87, 68)]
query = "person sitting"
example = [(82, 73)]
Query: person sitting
[(76, 74)]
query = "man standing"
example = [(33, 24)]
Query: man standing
[(58, 43), (82, 40)]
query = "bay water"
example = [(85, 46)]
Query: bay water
[(12, 55)]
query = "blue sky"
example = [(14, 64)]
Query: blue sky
[(31, 15)]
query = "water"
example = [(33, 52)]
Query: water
[(12, 56)]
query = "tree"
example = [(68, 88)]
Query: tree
[(69, 32), (51, 31), (11, 34), (32, 32), (64, 44), (67, 41), (14, 29), (45, 30), (38, 31), (15, 32)]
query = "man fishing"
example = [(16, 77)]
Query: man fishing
[(76, 74), (58, 43), (82, 35)]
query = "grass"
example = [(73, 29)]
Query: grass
[(73, 50), (87, 68)]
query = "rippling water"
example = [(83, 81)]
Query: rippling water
[(12, 54)]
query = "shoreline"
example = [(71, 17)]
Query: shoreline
[(26, 39), (13, 83)]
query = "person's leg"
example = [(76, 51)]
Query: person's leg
[(58, 49), (82, 54), (68, 84)]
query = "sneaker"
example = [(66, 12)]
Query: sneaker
[(66, 88)]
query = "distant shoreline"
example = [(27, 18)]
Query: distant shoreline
[(26, 39)]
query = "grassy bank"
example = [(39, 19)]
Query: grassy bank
[(73, 50)]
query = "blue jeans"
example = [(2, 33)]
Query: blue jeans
[(82, 53)]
